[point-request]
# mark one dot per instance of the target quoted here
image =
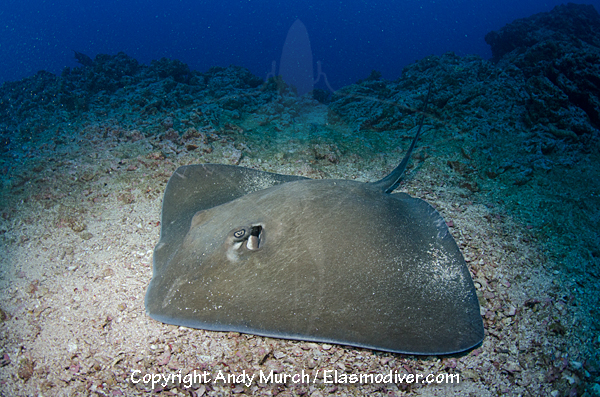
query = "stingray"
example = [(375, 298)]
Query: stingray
[(332, 261)]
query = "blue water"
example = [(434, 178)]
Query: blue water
[(349, 38)]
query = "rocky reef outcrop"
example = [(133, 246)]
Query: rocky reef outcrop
[(558, 53), (571, 23), (536, 101), (165, 82), (541, 88)]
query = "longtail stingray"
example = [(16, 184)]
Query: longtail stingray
[(329, 260)]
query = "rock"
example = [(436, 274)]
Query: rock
[(164, 67), (559, 52), (26, 367), (86, 235), (510, 311), (512, 367), (328, 152), (3, 315), (570, 22)]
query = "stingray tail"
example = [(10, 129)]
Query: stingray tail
[(391, 182)]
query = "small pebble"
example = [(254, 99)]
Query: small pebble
[(86, 235), (512, 367), (510, 311)]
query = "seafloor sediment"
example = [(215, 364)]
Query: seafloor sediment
[(509, 156)]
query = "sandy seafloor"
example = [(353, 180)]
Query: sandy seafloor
[(81, 216)]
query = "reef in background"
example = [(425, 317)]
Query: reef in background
[(558, 53)]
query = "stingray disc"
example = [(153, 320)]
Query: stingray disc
[(331, 261)]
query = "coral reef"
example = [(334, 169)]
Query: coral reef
[(558, 53)]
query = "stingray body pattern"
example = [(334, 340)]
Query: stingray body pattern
[(333, 261)]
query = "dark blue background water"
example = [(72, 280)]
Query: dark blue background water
[(349, 37)]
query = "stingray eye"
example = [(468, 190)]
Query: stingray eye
[(250, 237)]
